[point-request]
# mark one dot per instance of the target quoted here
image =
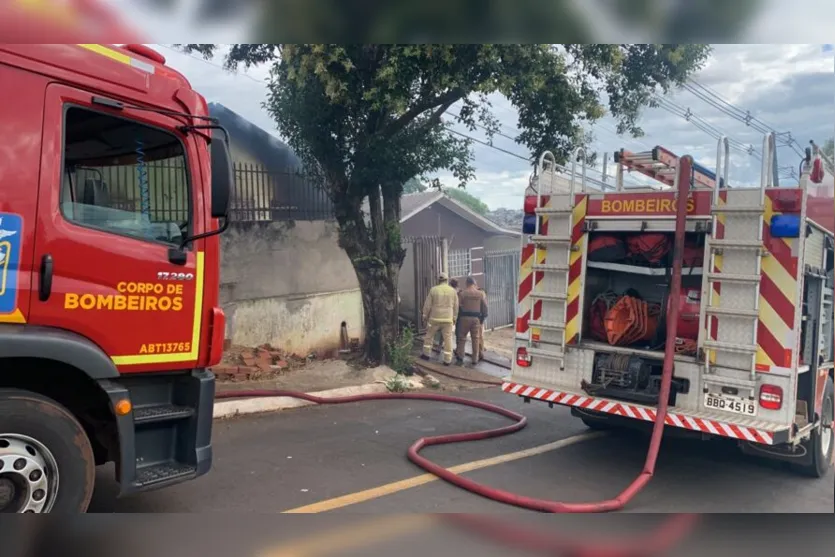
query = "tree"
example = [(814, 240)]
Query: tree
[(468, 199), (366, 118), (413, 185)]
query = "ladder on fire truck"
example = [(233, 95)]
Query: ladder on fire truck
[(660, 164), (553, 292), (739, 244)]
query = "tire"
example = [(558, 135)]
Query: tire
[(31, 422), (597, 425), (821, 442), (591, 421)]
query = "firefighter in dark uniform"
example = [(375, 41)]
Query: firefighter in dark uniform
[(472, 313)]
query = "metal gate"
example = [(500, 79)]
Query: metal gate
[(426, 257), (501, 277)]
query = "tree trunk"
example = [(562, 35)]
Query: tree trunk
[(379, 299), (376, 254)]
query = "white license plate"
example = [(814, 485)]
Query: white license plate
[(733, 404)]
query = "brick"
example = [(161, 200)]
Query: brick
[(264, 365), (282, 364), (225, 369), (248, 359), (226, 372)]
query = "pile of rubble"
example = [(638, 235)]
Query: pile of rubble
[(248, 364)]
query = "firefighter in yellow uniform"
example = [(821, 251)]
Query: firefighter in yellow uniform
[(440, 311), (473, 312)]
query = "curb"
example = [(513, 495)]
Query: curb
[(243, 406)]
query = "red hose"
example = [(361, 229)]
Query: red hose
[(669, 533), (685, 165)]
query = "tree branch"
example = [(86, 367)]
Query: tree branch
[(445, 101)]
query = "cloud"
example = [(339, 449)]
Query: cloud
[(788, 87)]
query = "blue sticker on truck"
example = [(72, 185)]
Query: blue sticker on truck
[(11, 238)]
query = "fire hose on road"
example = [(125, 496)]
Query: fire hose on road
[(541, 505)]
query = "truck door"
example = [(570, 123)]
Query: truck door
[(116, 196), (20, 128)]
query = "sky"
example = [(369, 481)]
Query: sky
[(787, 87)]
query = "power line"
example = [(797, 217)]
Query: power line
[(711, 97), (702, 124), (744, 113), (487, 144)]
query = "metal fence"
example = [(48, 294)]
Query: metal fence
[(259, 194), (123, 186), (501, 279), (426, 258), (263, 195)]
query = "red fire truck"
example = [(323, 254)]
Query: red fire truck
[(754, 341), (114, 186)]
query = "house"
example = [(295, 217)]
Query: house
[(442, 233), (249, 144), (468, 234), (284, 280), (270, 184)]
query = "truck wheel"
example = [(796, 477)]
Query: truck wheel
[(821, 442), (597, 421), (597, 425), (46, 461)]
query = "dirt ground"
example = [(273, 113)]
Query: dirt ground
[(333, 374), (500, 341), (314, 376)]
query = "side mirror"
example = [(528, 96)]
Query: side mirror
[(223, 178)]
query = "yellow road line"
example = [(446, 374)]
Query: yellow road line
[(423, 479), (352, 536)]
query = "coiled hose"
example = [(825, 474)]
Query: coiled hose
[(142, 176), (676, 524)]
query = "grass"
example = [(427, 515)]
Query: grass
[(397, 384), (401, 356)]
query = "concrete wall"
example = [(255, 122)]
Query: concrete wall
[(288, 284)]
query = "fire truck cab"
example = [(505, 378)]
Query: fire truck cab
[(754, 342), (114, 186)]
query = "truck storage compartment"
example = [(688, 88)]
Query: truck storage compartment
[(627, 288)]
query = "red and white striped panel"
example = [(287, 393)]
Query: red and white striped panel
[(703, 425)]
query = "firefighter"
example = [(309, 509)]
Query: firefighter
[(440, 313), (438, 340), (473, 304)]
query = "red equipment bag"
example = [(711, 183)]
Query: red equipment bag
[(649, 248), (689, 303), (693, 255), (599, 307), (817, 173), (597, 313), (606, 248)]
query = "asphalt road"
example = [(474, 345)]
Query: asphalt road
[(293, 459)]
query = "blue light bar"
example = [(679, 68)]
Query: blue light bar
[(529, 224), (785, 226)]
